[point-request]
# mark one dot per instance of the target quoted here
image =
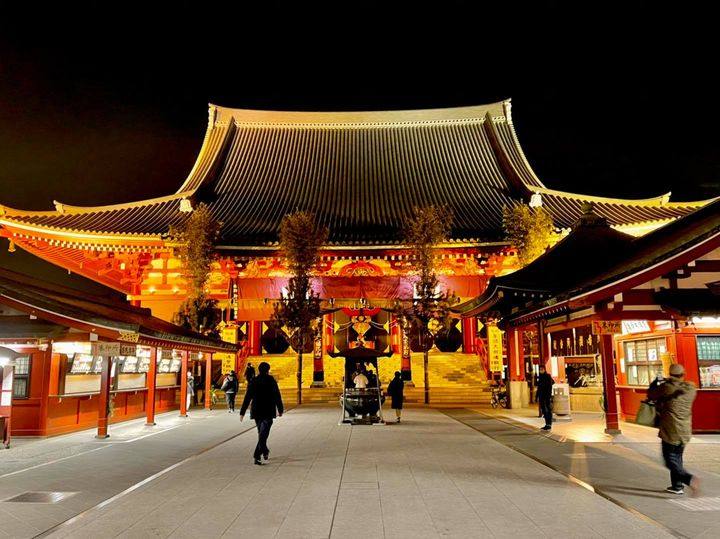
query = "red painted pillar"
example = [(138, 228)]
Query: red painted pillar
[(255, 337), (183, 383), (514, 349), (208, 380), (612, 424), (45, 395), (151, 387), (469, 329), (104, 398), (544, 345), (515, 372)]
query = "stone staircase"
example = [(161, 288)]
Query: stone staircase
[(455, 378)]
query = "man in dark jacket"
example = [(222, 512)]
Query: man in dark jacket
[(395, 390), (544, 396), (264, 394), (249, 372), (674, 399), (230, 387)]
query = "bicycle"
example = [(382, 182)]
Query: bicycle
[(498, 398)]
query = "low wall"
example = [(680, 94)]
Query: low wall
[(70, 414)]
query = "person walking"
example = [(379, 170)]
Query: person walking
[(190, 389), (673, 400), (230, 387), (267, 404), (395, 390), (544, 396), (249, 372)]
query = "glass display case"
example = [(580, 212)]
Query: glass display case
[(129, 365), (708, 353), (143, 355), (169, 364), (643, 360), (84, 364)]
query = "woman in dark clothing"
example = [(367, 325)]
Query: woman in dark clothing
[(395, 390), (230, 387)]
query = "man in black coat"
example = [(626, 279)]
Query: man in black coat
[(249, 372), (395, 390), (264, 394), (544, 396)]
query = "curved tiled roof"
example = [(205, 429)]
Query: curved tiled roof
[(152, 217), (360, 172)]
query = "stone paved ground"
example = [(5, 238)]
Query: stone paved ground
[(702, 454), (628, 470), (98, 470), (430, 476)]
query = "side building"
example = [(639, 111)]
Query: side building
[(71, 361), (361, 173), (608, 313)]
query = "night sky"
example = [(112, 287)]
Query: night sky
[(104, 105)]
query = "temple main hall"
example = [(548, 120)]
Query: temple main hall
[(361, 174)]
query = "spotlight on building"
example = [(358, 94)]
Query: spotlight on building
[(7, 356)]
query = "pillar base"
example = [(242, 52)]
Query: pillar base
[(318, 384), (183, 415), (151, 424), (519, 394), (409, 383), (102, 437), (613, 432)]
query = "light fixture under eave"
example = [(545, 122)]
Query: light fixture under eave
[(706, 320), (185, 206), (7, 356), (536, 200)]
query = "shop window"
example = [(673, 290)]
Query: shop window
[(642, 360), (21, 380), (708, 351)]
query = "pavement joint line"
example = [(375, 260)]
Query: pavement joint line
[(342, 475), (105, 443), (519, 424), (54, 461), (159, 431), (569, 476), (132, 488)]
